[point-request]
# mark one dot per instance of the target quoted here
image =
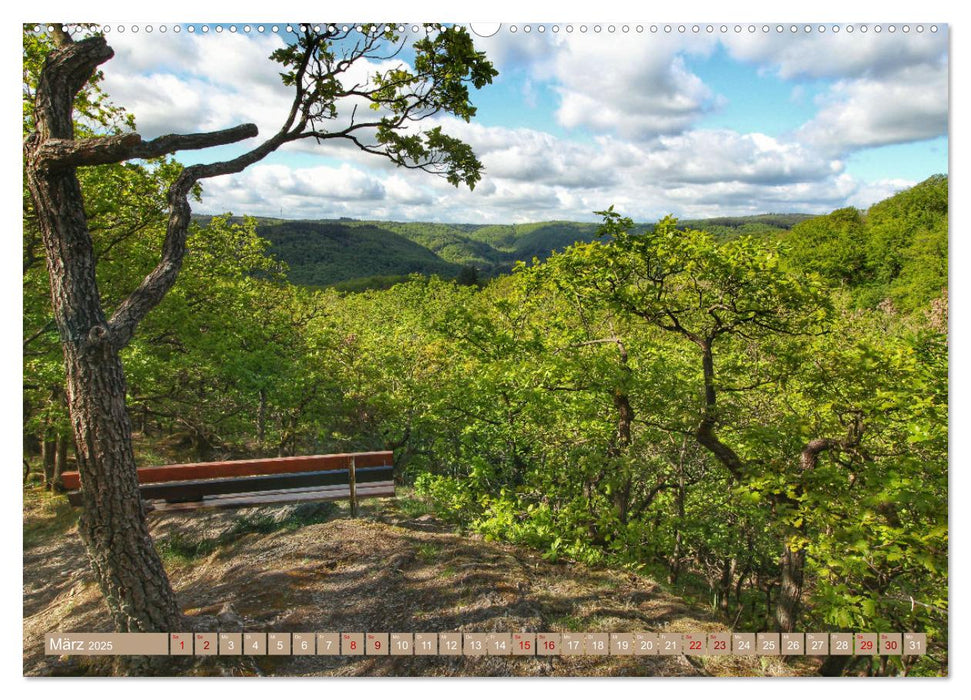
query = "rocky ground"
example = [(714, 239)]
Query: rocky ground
[(313, 568)]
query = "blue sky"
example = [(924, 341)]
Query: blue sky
[(694, 123), (754, 99)]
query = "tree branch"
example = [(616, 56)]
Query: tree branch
[(706, 437), (156, 284), (71, 153), (809, 457), (47, 327), (65, 72), (705, 432)]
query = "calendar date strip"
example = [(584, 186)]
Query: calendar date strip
[(486, 644)]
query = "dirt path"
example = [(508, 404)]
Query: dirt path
[(314, 569)]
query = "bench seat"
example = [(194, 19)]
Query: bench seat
[(381, 489)]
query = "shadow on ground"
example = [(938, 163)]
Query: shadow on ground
[(314, 569)]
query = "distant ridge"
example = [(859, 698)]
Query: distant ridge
[(356, 254)]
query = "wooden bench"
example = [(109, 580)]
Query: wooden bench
[(260, 482)]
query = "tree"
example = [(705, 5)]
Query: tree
[(468, 276), (894, 253), (113, 525), (120, 210), (833, 245), (710, 296)]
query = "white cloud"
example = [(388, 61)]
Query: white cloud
[(533, 176), (870, 193), (192, 82), (749, 198), (625, 84), (911, 105), (181, 83), (509, 52), (298, 192), (888, 89), (706, 156), (635, 97), (836, 55), (891, 88), (629, 86), (531, 156), (399, 189), (697, 156)]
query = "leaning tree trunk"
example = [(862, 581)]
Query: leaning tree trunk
[(787, 604), (112, 525), (48, 452), (112, 522), (793, 560), (60, 464)]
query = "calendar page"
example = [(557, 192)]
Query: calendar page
[(586, 349)]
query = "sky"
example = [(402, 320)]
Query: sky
[(582, 117)]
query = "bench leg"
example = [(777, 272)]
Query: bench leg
[(353, 489)]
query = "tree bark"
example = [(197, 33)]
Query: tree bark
[(47, 452), (705, 432), (834, 666), (622, 438), (112, 524), (790, 589), (622, 442), (261, 419), (725, 583), (60, 464), (679, 501)]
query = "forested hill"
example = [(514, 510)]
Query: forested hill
[(358, 254), (355, 254), (321, 253), (895, 250)]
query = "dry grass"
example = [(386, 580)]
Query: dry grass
[(318, 570)]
